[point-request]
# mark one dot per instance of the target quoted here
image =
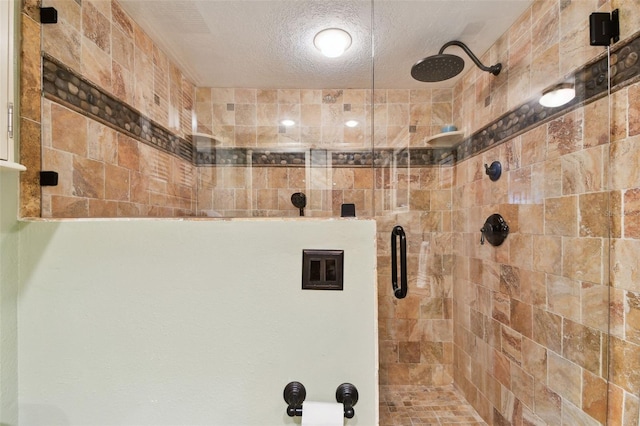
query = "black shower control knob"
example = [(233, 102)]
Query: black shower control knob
[(495, 230)]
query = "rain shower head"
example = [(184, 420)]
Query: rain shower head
[(443, 66), (437, 68)]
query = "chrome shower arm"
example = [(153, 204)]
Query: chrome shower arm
[(494, 69)]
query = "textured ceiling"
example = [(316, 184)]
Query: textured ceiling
[(269, 43)]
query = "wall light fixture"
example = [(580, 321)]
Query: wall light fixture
[(558, 95)]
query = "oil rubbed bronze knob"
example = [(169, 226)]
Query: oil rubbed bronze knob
[(494, 170), (495, 230)]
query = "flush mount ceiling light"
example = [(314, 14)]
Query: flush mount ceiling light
[(558, 95), (287, 122), (332, 42), (351, 123)]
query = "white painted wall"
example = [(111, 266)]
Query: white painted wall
[(9, 278), (166, 322)]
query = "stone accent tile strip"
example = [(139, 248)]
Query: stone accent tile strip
[(414, 157), (432, 156), (269, 158), (624, 63), (61, 84), (223, 157)]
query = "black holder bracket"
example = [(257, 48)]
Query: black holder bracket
[(48, 15), (295, 393), (495, 230), (347, 394), (494, 171), (603, 27)]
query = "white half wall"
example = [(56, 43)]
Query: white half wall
[(193, 322), (9, 281)]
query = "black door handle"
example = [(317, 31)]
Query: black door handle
[(399, 292)]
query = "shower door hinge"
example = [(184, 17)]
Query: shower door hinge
[(48, 15), (48, 178), (10, 120), (603, 27)]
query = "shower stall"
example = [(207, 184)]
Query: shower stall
[(541, 328)]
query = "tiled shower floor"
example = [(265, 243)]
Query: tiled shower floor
[(423, 405)]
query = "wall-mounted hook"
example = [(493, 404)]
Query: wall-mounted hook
[(494, 171)]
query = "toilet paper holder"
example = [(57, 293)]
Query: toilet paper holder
[(295, 393)]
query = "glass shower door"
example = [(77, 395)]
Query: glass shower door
[(523, 328)]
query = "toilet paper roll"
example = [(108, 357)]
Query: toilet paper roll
[(322, 414)]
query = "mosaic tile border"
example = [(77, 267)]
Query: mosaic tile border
[(63, 85), (414, 157)]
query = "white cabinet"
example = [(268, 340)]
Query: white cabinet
[(7, 83)]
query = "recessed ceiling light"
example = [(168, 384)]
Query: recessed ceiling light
[(332, 42), (558, 95), (287, 122), (351, 123)]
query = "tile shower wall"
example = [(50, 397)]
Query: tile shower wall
[(532, 316), (625, 250), (250, 119), (104, 172), (30, 109), (416, 333)]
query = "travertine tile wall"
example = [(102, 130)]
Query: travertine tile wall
[(266, 191), (250, 118), (532, 317), (30, 109), (102, 172), (416, 333), (99, 40), (624, 325), (105, 173)]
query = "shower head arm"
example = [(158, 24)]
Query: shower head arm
[(494, 69)]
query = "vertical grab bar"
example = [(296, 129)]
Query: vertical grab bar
[(400, 292)]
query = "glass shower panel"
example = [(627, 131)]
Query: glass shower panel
[(168, 109), (521, 328)]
